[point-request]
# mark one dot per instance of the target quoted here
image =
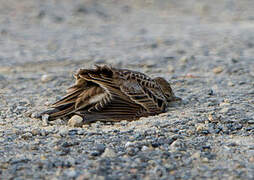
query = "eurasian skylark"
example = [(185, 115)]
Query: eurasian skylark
[(110, 94)]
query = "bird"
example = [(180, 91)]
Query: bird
[(110, 94)]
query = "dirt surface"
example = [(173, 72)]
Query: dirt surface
[(204, 48)]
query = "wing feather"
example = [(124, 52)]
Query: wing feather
[(96, 93), (141, 96), (109, 94)]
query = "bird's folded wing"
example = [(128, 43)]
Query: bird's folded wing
[(102, 93), (143, 91), (119, 106)]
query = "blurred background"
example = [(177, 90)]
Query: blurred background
[(123, 32)]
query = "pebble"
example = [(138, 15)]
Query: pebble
[(35, 115), (129, 144), (27, 135), (71, 173), (86, 126), (224, 104), (205, 160), (95, 153), (230, 83), (183, 59), (225, 110), (100, 148), (210, 92), (251, 159), (43, 132), (35, 132), (149, 64), (46, 78), (34, 147), (100, 61), (145, 148), (109, 153), (171, 68), (251, 121), (73, 132), (196, 155), (213, 118), (131, 151), (234, 60), (200, 127), (217, 70), (63, 132), (2, 78), (176, 145), (81, 132), (69, 144), (155, 144), (45, 118), (251, 91), (75, 121)]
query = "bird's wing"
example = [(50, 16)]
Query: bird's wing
[(97, 96), (82, 95), (143, 90), (119, 106)]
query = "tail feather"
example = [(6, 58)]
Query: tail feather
[(59, 112)]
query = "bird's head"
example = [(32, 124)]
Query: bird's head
[(167, 90)]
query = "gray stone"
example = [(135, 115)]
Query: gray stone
[(75, 121), (108, 153)]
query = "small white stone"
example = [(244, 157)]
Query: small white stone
[(171, 68), (129, 144), (108, 153), (75, 121), (217, 70), (35, 115), (231, 84), (224, 104), (205, 160), (63, 131), (200, 127), (224, 110), (27, 135), (196, 155), (46, 77), (184, 59), (71, 173), (145, 148), (45, 119)]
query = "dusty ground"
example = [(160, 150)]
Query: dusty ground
[(205, 48)]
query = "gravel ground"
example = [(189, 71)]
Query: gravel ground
[(205, 48)]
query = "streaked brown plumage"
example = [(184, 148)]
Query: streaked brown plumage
[(109, 94)]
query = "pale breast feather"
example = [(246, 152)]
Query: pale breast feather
[(97, 98)]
